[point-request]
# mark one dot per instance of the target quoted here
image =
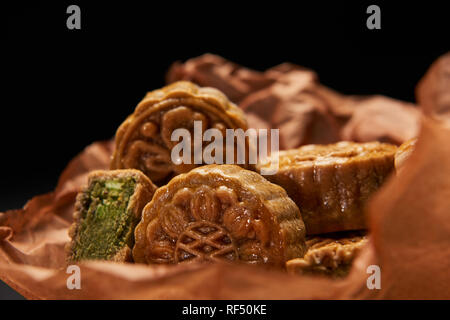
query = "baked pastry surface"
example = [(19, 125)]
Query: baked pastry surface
[(143, 140), (106, 214), (403, 153), (220, 212), (331, 183), (330, 255)]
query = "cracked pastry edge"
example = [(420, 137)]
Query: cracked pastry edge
[(142, 194), (328, 255), (404, 152)]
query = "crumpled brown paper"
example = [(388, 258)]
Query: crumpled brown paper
[(290, 98), (433, 91), (409, 240)]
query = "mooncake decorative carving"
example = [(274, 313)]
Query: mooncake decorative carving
[(205, 241), (143, 141)]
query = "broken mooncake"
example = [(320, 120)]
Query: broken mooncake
[(106, 214), (330, 255), (144, 139), (404, 152), (220, 212), (332, 183)]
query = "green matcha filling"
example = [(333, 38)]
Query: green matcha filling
[(106, 226)]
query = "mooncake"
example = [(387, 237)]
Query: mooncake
[(106, 214), (220, 213), (331, 183), (144, 140), (331, 256)]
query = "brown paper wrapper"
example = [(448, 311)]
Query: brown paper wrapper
[(433, 91), (290, 98), (409, 225)]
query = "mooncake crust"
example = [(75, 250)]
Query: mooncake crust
[(331, 183), (143, 139), (244, 217), (403, 153), (143, 193), (330, 256)]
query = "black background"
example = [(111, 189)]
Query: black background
[(348, 310), (68, 88)]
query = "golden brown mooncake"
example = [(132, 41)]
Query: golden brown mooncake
[(403, 153), (143, 140), (106, 213), (331, 255), (331, 183), (220, 212)]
